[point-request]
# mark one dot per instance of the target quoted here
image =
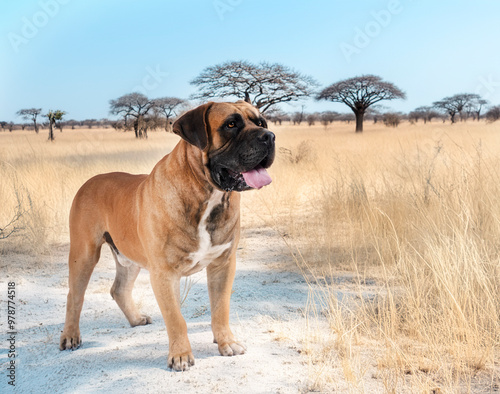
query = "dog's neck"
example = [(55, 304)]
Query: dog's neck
[(191, 158)]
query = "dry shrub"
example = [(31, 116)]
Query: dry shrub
[(26, 231), (303, 153), (391, 119), (493, 114)]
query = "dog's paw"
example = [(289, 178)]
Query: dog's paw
[(180, 362), (70, 341), (232, 349), (142, 321)]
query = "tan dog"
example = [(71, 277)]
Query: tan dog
[(179, 219)]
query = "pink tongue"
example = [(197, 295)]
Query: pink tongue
[(257, 178)]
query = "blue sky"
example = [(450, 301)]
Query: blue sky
[(76, 55)]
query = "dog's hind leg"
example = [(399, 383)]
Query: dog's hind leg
[(121, 291), (83, 256)]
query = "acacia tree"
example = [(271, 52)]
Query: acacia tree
[(475, 106), (30, 113), (53, 116), (263, 85), (454, 105), (359, 93), (169, 108), (135, 105)]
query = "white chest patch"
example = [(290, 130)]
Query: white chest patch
[(207, 252)]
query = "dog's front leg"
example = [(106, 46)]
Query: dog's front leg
[(220, 283), (166, 288)]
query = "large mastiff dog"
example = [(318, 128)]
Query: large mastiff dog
[(181, 218)]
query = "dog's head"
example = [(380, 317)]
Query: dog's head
[(237, 147)]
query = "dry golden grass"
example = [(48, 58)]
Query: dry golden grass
[(416, 209), (41, 178)]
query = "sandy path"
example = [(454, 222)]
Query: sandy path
[(117, 358)]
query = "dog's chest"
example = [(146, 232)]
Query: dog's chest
[(207, 251)]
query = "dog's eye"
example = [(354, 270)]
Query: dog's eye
[(259, 123), (231, 124)]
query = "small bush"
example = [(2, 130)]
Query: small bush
[(392, 119), (304, 152), (493, 114)]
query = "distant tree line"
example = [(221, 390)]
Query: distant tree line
[(43, 123), (266, 85), (276, 116)]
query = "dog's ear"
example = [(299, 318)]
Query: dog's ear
[(192, 126)]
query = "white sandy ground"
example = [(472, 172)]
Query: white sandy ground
[(269, 314), (267, 301)]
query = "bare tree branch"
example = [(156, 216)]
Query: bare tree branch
[(12, 227)]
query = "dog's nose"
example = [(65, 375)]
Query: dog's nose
[(267, 138)]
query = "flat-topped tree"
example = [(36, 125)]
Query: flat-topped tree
[(263, 85), (134, 105), (169, 107), (456, 104), (475, 106), (30, 114), (359, 93)]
